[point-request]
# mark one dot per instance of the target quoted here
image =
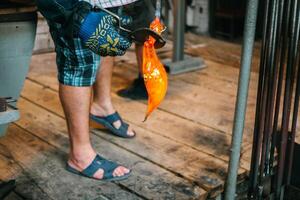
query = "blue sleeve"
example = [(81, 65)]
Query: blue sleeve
[(68, 13)]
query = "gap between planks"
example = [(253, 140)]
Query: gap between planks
[(36, 94), (42, 164), (30, 89), (50, 127), (52, 84)]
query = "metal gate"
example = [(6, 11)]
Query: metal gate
[(271, 173), (277, 101)]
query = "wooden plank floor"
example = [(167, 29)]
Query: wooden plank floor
[(181, 152)]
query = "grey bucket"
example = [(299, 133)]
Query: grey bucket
[(17, 35)]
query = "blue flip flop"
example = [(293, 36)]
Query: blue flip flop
[(99, 163), (108, 121)]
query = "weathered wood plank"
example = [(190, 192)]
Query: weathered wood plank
[(24, 9), (216, 50), (217, 107), (217, 72), (42, 174), (214, 109), (127, 81), (158, 149), (28, 188), (199, 137), (10, 168), (121, 78), (149, 180), (13, 196), (188, 92), (218, 77), (133, 112)]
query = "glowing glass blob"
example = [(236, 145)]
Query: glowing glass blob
[(154, 73)]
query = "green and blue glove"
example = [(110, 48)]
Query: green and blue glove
[(99, 33)]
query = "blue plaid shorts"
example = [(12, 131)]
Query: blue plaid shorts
[(77, 65)]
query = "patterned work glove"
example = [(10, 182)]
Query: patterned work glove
[(98, 31)]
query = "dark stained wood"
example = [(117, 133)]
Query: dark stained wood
[(133, 111), (13, 196), (148, 180), (17, 9), (156, 148), (43, 175), (219, 51), (214, 109), (198, 137)]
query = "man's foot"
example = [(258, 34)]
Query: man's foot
[(108, 110), (137, 90), (93, 166)]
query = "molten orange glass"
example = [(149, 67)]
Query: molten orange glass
[(155, 76)]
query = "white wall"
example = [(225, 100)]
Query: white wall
[(198, 16)]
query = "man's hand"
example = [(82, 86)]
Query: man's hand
[(99, 33)]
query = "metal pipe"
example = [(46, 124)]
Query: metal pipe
[(290, 74), (179, 29), (291, 138), (293, 131), (158, 9), (255, 155), (241, 102), (276, 52), (283, 55), (268, 84)]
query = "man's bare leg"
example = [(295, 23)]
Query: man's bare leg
[(76, 104), (102, 104)]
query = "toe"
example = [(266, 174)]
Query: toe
[(130, 132), (120, 171), (124, 169)]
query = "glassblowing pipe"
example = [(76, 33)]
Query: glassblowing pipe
[(158, 9)]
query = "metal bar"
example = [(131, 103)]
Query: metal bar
[(290, 74), (284, 38), (293, 131), (269, 91), (165, 17), (259, 108), (276, 48), (291, 138), (263, 114), (241, 102), (179, 29)]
